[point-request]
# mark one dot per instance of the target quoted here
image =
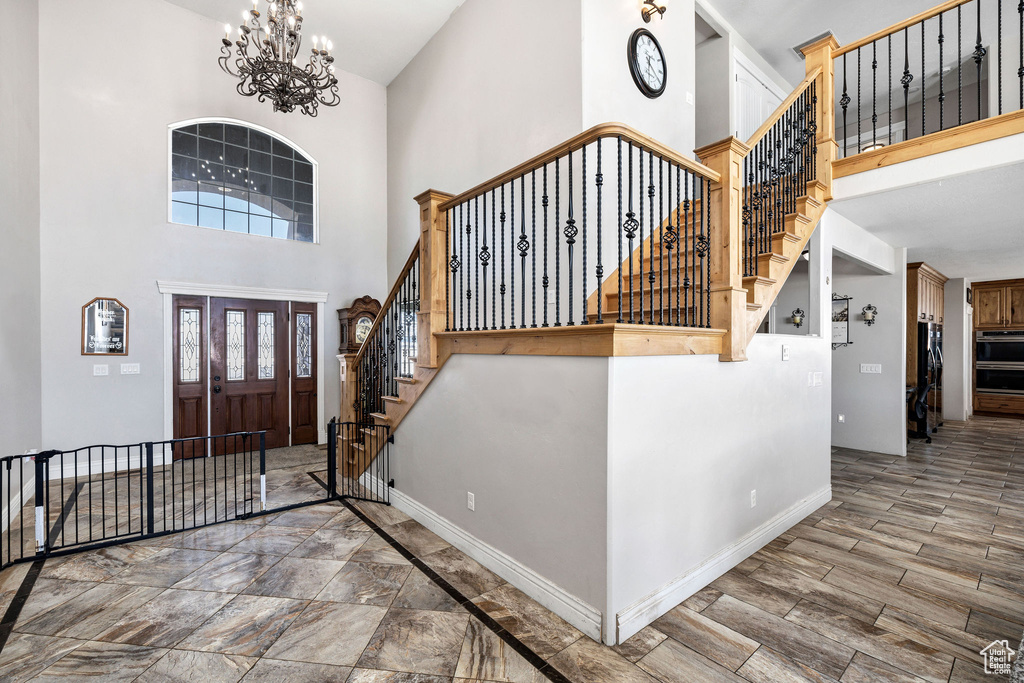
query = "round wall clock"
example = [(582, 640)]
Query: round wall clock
[(363, 325), (647, 63)]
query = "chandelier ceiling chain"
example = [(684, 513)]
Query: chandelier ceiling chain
[(271, 69)]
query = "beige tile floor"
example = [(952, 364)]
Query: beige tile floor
[(911, 569)]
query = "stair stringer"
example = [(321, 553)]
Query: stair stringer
[(786, 249)]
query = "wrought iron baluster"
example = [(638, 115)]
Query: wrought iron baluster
[(523, 246), (661, 246), (583, 255), (859, 100), (570, 232), (447, 280), (924, 87), (906, 80), (979, 56), (599, 181), (1020, 46), (533, 241), (650, 221), (494, 271), (706, 244), (620, 224), (485, 259), (544, 281), (670, 240), (462, 289), (558, 245), (889, 82), (503, 289), (689, 260), (640, 197), (999, 53), (679, 227), (942, 88), (476, 261), (512, 249), (874, 93), (630, 227), (959, 65), (844, 103)]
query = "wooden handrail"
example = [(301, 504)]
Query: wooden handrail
[(604, 130), (783, 108), (395, 288), (917, 18)]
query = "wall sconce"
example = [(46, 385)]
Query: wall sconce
[(798, 317), (869, 312), (651, 8)]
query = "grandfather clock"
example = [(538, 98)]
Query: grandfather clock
[(356, 321)]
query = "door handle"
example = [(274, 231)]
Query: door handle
[(216, 388)]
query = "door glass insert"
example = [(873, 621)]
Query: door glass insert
[(189, 344), (304, 345), (235, 356), (265, 342)]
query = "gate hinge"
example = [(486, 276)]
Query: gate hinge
[(391, 483), (391, 438)]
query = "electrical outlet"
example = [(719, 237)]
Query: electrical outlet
[(810, 379), (841, 418), (129, 368), (819, 379), (785, 352), (753, 498), (100, 370), (470, 501), (689, 97)]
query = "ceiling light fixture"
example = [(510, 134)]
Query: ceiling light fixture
[(271, 71)]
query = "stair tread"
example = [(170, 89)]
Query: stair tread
[(380, 417), (392, 399), (406, 380)]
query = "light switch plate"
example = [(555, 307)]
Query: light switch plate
[(129, 368), (818, 379), (785, 352), (871, 368), (100, 370)]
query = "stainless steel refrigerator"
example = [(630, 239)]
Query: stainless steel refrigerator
[(928, 418)]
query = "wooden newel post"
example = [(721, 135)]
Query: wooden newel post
[(348, 388), (820, 54), (728, 297), (433, 274)]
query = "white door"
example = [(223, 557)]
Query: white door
[(754, 99)]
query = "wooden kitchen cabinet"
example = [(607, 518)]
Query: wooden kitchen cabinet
[(999, 304), (925, 301)]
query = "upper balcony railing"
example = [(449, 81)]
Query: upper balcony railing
[(957, 63)]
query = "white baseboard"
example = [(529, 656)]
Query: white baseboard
[(641, 613), (16, 503), (108, 466), (578, 613)]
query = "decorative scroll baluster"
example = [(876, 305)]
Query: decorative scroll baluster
[(906, 80), (620, 223), (889, 82), (979, 56), (512, 247), (485, 258), (459, 269), (661, 246), (447, 280), (1020, 45), (523, 246), (999, 54), (476, 270), (570, 239), (558, 245), (494, 271), (860, 98), (679, 195), (599, 181), (689, 261), (959, 65), (874, 93), (844, 102), (669, 238), (640, 197)]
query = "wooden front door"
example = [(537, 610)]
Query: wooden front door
[(249, 368), (303, 338)]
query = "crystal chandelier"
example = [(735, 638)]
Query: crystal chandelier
[(270, 70)]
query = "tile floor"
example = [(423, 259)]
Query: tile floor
[(914, 567)]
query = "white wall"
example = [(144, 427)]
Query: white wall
[(20, 393), (104, 229), (474, 103), (715, 87), (957, 351), (874, 405), (679, 495), (609, 93), (528, 435)]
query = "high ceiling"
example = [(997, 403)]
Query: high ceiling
[(371, 39), (966, 226), (774, 27)]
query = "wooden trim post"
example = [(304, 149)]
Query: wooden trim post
[(348, 388), (817, 55), (433, 274), (728, 297)]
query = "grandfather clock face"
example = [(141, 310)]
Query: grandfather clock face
[(363, 325)]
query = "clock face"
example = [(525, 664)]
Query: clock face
[(363, 325), (647, 63)]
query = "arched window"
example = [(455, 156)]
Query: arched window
[(232, 176)]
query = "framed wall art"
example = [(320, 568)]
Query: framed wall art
[(840, 321)]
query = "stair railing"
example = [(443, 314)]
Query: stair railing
[(528, 248), (782, 159), (930, 72), (389, 350)]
